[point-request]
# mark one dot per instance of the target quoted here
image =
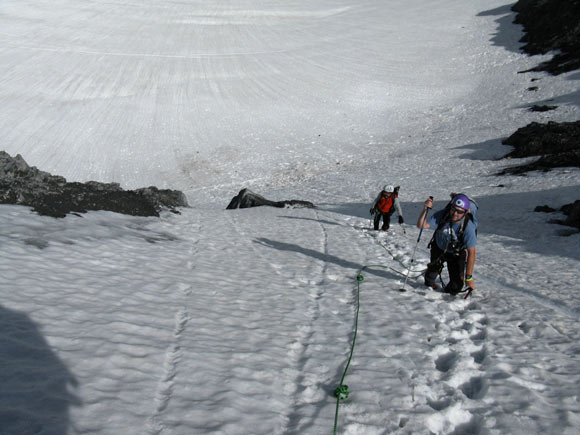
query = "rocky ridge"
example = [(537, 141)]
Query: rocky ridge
[(551, 26), (52, 195)]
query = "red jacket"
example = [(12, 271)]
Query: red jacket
[(385, 204)]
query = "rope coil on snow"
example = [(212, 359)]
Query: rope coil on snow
[(341, 392)]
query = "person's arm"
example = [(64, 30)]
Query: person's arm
[(421, 222), (398, 208), (377, 199), (469, 281)]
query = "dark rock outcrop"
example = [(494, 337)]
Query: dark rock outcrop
[(544, 209), (558, 144), (52, 195), (246, 199), (544, 108), (572, 211), (551, 25)]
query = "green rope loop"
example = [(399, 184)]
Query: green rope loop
[(341, 392)]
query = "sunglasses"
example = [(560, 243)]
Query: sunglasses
[(457, 210)]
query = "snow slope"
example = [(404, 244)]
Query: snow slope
[(241, 322)]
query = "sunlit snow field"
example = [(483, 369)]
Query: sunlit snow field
[(241, 322)]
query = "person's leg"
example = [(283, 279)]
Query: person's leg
[(456, 267), (377, 220), (435, 265), (386, 221)]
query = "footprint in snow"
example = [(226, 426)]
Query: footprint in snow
[(459, 375)]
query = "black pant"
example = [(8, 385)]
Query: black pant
[(386, 220), (455, 267)]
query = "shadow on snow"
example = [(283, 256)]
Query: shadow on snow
[(34, 392), (282, 246), (508, 35)]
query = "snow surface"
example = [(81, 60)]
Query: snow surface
[(241, 322)]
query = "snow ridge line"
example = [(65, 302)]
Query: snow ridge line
[(173, 355)]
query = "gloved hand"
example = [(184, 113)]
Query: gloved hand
[(401, 220), (372, 210)]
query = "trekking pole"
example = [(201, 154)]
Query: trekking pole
[(415, 250)]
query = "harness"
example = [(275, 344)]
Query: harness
[(449, 248)]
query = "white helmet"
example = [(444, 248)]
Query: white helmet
[(388, 188)]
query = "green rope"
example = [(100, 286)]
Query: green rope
[(341, 392)]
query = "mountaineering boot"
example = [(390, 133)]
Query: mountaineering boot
[(452, 288)]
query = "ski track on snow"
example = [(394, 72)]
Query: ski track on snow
[(296, 384), (173, 353), (301, 349), (304, 384), (294, 379)]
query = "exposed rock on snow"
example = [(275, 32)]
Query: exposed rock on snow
[(572, 211), (551, 25), (52, 195), (544, 108), (246, 199), (558, 144), (544, 209)]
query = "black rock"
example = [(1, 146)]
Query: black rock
[(246, 199), (551, 25), (538, 139), (52, 195), (572, 211), (536, 108), (544, 209), (558, 144)]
